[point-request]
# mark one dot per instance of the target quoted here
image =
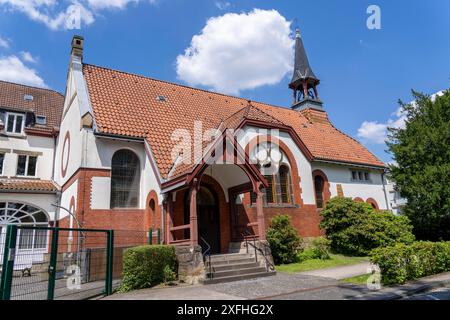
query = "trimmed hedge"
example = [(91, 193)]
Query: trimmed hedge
[(355, 228), (401, 262), (147, 266)]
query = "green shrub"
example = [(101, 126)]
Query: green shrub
[(283, 239), (401, 262), (147, 266), (355, 228), (321, 248), (305, 254), (169, 274)]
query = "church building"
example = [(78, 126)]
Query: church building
[(123, 157)]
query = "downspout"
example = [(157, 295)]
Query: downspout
[(163, 224), (384, 190)]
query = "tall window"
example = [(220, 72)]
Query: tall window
[(2, 159), (279, 189), (26, 166), (14, 123), (125, 179), (318, 187), (285, 184)]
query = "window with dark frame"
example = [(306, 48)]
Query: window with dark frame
[(318, 187), (125, 179), (2, 159), (26, 165), (279, 189), (360, 176)]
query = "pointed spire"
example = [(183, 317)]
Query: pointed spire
[(302, 69), (304, 82)]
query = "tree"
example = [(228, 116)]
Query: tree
[(422, 171)]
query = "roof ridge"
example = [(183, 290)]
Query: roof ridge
[(270, 116), (32, 87), (186, 86)]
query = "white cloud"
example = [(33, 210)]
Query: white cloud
[(222, 5), (4, 43), (26, 56), (109, 4), (51, 14), (235, 52), (375, 132), (12, 69)]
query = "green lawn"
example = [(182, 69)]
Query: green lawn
[(362, 279), (313, 264)]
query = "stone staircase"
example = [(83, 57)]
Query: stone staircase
[(233, 267)]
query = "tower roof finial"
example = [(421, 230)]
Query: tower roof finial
[(297, 33)]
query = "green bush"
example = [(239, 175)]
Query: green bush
[(147, 266), (401, 262), (321, 248), (283, 239), (355, 228)]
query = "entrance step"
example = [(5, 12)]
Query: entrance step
[(233, 267), (237, 247)]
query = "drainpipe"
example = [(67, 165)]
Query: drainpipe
[(163, 232), (384, 190)]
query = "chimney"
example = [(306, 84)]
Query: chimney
[(77, 47)]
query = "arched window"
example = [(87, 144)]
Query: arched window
[(152, 207), (24, 215), (285, 184), (318, 187), (125, 179), (279, 179)]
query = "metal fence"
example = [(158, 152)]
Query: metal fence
[(39, 263)]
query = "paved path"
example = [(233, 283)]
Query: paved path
[(299, 286), (342, 272)]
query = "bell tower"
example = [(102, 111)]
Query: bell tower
[(304, 82)]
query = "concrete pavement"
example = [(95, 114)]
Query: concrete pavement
[(339, 273), (286, 286)]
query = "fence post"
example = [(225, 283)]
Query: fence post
[(52, 266), (158, 235), (8, 262), (150, 236), (109, 262)]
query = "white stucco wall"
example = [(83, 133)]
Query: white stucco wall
[(70, 123), (42, 146), (341, 174), (71, 191)]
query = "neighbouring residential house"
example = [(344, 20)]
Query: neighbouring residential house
[(29, 126)]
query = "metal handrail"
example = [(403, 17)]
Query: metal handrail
[(269, 265), (207, 253)]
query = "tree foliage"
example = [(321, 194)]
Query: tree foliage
[(422, 171)]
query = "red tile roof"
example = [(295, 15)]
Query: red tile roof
[(127, 104), (45, 102), (27, 185)]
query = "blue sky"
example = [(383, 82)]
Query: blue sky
[(363, 72)]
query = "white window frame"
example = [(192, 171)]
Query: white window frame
[(26, 165), (15, 115), (42, 117)]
